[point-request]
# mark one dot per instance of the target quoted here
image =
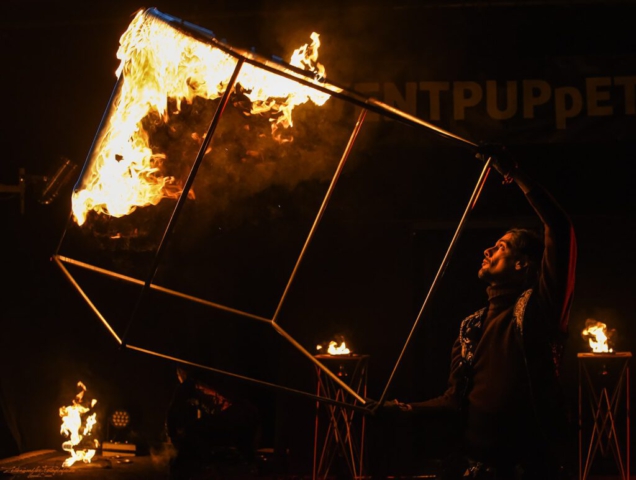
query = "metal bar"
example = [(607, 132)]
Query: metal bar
[(261, 383), (369, 103), (340, 435), (398, 114), (305, 77), (98, 137), (101, 131), (161, 289), (316, 426), (596, 434), (627, 421), (363, 421), (605, 409), (321, 210), (68, 275), (184, 194), (581, 477), (319, 216), (440, 271), (315, 361)]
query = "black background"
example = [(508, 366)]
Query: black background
[(58, 74)]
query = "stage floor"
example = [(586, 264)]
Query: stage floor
[(155, 466), (48, 464), (152, 466)]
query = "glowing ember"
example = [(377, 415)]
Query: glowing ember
[(597, 334), (77, 424), (161, 69)]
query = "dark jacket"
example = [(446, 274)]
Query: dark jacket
[(505, 364)]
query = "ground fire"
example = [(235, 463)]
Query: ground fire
[(78, 421)]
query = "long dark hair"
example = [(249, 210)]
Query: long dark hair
[(528, 245)]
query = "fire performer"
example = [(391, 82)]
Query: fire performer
[(504, 389)]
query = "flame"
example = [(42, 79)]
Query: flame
[(334, 349), (597, 334), (160, 69), (76, 425)]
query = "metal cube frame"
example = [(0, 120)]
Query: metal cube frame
[(309, 79)]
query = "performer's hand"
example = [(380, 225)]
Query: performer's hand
[(397, 405), (371, 405), (502, 160), (387, 407)]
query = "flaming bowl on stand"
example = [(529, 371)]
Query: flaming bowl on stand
[(600, 339), (334, 347), (336, 350)]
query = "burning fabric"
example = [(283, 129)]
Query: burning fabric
[(78, 421)]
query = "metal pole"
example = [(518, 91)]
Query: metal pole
[(305, 77), (440, 271), (186, 188), (323, 207), (627, 412), (260, 383), (580, 420), (158, 288)]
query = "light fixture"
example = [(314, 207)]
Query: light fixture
[(119, 419), (47, 187), (118, 432)]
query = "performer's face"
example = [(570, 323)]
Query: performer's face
[(501, 264)]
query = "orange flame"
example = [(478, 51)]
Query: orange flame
[(76, 425), (597, 334), (159, 64), (334, 349)]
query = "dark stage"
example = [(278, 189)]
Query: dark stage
[(47, 464), (553, 80)]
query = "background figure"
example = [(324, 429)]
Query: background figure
[(215, 434)]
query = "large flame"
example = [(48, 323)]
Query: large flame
[(77, 424), (597, 334), (160, 69)]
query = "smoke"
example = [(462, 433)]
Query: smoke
[(244, 157), (162, 456)]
